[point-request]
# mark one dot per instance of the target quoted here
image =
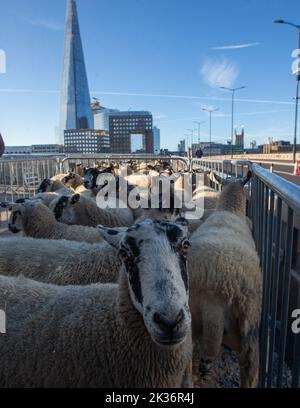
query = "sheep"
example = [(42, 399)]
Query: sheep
[(136, 333), (59, 177), (84, 211), (72, 180), (59, 262), (53, 186), (90, 178), (225, 280), (38, 221), (210, 196)]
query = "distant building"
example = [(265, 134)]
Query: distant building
[(279, 146), (167, 152), (181, 146), (131, 132), (156, 140), (86, 141), (101, 115), (11, 150), (46, 149), (75, 108), (253, 144), (23, 152), (216, 149), (239, 137)]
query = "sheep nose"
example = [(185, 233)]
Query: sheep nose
[(168, 326)]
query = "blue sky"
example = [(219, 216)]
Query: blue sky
[(166, 56)]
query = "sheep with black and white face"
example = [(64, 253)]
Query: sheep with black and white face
[(136, 333)]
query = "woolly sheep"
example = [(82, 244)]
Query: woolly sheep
[(225, 281), (38, 221), (72, 180), (132, 334), (84, 211), (59, 262), (53, 186)]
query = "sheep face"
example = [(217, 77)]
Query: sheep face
[(72, 180), (63, 208), (45, 186), (24, 211), (69, 180), (15, 221), (90, 178), (154, 257)]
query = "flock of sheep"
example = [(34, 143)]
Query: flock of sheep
[(120, 297)]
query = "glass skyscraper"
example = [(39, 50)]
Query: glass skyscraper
[(75, 107)]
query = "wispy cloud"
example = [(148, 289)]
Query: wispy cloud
[(224, 115), (219, 72), (254, 113), (147, 95), (49, 25), (236, 47)]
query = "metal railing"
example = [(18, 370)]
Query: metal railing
[(20, 178), (178, 163), (274, 208)]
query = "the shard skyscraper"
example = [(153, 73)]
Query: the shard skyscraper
[(75, 107)]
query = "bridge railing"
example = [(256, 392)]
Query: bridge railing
[(178, 163), (274, 208), (20, 178)]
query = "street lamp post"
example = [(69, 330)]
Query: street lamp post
[(210, 111), (199, 129), (232, 90), (187, 143), (192, 136), (297, 87)]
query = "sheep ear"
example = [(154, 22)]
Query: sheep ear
[(75, 198), (217, 179), (113, 236)]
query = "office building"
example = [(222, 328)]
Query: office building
[(86, 141), (131, 132)]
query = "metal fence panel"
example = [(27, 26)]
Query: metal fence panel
[(274, 208)]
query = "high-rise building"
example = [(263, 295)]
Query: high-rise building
[(156, 140), (181, 146), (86, 141), (75, 107), (131, 132)]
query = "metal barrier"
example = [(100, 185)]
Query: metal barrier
[(274, 208), (178, 163), (20, 178)]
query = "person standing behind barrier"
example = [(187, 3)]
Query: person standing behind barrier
[(199, 153)]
